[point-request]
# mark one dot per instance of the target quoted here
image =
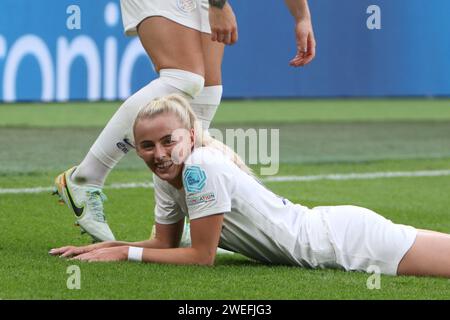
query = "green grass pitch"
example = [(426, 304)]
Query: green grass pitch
[(317, 137)]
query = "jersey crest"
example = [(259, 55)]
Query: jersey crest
[(194, 179), (187, 5)]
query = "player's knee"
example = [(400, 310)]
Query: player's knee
[(188, 82)]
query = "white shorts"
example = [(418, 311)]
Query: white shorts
[(354, 239), (190, 13)]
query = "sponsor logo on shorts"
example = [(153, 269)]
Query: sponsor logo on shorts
[(194, 179), (186, 5), (203, 198)]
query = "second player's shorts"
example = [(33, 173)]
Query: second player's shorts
[(190, 13), (354, 239)]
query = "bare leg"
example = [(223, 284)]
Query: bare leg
[(429, 255), (212, 57), (171, 45), (206, 103)]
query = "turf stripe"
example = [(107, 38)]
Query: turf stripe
[(335, 176)]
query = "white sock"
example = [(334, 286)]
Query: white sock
[(116, 139), (205, 104), (91, 172)]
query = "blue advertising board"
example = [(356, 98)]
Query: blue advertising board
[(44, 58)]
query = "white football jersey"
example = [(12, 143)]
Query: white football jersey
[(257, 223), (263, 226)]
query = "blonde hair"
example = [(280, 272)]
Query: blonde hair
[(180, 107)]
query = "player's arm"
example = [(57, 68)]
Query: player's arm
[(306, 43), (223, 22), (205, 234), (167, 236)]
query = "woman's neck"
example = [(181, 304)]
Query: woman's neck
[(177, 183)]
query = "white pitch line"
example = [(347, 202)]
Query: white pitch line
[(131, 185), (361, 176), (334, 176)]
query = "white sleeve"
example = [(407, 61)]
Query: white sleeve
[(167, 211), (207, 188)]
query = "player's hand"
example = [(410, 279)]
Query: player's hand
[(306, 44), (104, 255), (70, 251), (223, 25)]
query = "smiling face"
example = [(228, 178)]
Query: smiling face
[(164, 144)]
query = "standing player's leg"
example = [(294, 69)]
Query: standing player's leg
[(176, 52), (206, 103)]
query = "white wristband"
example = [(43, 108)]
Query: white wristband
[(135, 254)]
